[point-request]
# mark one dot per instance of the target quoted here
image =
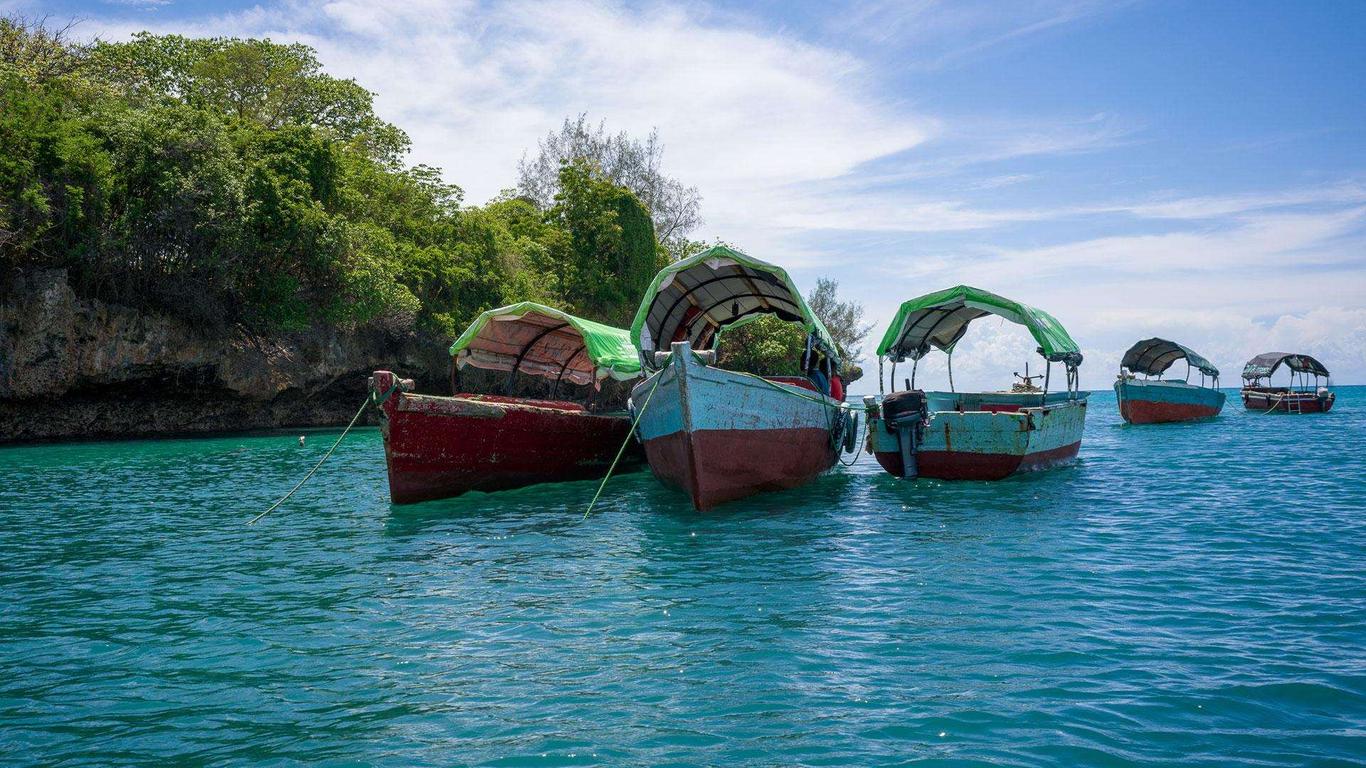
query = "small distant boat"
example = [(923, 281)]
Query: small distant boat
[(1299, 397), (1160, 401), (979, 435), (722, 435), (437, 447)]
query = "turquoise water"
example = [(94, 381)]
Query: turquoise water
[(1188, 594)]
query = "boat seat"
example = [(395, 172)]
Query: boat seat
[(559, 405)]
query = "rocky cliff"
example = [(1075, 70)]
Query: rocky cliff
[(72, 368)]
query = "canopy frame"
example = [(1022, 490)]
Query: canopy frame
[(965, 303), (517, 366), (1153, 357), (516, 339), (1264, 365), (909, 335), (709, 281)]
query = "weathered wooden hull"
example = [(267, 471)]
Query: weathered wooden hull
[(1148, 401), (437, 447), (721, 436), (989, 444), (1276, 400)]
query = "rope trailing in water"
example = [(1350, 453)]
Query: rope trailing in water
[(370, 399), (1276, 404), (622, 449)]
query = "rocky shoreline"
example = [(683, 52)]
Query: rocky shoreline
[(72, 368)]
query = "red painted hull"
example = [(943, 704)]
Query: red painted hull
[(960, 465), (1280, 402), (438, 447), (1154, 412), (702, 463)]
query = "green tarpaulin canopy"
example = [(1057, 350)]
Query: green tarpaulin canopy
[(938, 320), (1153, 356), (543, 341), (694, 298)]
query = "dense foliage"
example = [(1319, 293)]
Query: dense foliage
[(637, 165), (235, 184), (772, 347), (766, 346)]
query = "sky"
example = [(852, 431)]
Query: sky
[(1195, 171)]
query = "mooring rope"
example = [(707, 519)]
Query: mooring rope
[(859, 451), (1274, 405), (629, 435), (369, 400)]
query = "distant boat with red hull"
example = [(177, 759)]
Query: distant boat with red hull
[(437, 447), (1159, 401), (720, 435), (974, 435), (1301, 396)]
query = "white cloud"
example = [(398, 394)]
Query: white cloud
[(1215, 206), (746, 116), (1254, 243), (931, 34), (790, 141)]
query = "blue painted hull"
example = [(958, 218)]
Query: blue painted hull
[(1153, 401), (721, 435), (986, 436)]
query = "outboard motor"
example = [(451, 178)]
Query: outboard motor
[(904, 414)]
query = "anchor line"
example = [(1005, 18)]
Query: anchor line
[(1279, 398), (629, 435), (370, 399)]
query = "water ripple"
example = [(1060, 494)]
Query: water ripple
[(1188, 594)]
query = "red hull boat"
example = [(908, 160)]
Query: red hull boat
[(1283, 400), (1155, 400), (973, 435), (722, 435), (438, 447), (1302, 396)]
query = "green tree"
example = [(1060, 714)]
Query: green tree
[(53, 171), (674, 208), (770, 347), (267, 83), (606, 254), (766, 346), (844, 321), (235, 184)]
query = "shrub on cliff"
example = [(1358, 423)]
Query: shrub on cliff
[(235, 184)]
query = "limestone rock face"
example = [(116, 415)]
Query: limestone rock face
[(72, 368)]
